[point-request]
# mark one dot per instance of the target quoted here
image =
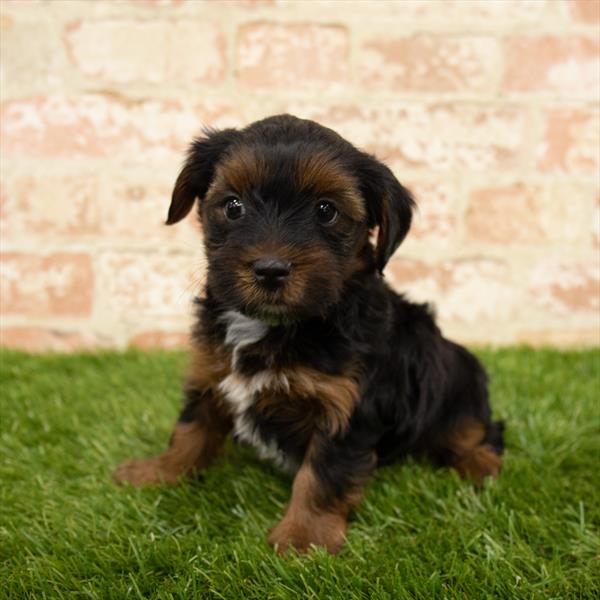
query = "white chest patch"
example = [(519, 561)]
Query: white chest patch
[(242, 331), (241, 391), (245, 429)]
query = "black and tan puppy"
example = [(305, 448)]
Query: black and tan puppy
[(300, 348)]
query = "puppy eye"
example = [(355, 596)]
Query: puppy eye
[(234, 208), (327, 213)]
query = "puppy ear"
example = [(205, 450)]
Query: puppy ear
[(389, 206), (198, 171)]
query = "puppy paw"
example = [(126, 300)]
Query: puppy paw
[(140, 473), (327, 530), (481, 462)]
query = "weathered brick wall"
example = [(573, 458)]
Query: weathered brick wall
[(487, 109)]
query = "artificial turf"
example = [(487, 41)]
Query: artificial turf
[(66, 531)]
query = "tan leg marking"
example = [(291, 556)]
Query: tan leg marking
[(314, 516), (304, 523), (209, 365), (474, 459), (193, 447)]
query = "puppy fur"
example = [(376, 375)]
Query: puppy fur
[(318, 363)]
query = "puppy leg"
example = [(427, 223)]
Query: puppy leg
[(474, 449), (323, 495), (197, 438)]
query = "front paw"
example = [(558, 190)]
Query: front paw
[(327, 529), (140, 473)]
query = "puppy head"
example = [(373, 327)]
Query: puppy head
[(286, 207)]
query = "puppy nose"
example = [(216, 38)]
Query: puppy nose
[(271, 271)]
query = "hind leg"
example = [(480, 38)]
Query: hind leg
[(473, 449)]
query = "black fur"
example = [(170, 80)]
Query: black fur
[(414, 384), (418, 393)]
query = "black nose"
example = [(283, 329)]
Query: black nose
[(271, 271)]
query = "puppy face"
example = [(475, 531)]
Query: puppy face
[(286, 208), (282, 227)]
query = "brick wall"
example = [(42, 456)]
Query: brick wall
[(487, 109)]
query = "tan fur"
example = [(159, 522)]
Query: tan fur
[(324, 176), (337, 394), (244, 171), (209, 365), (240, 173), (361, 260), (313, 517), (474, 459), (478, 464), (305, 523), (303, 261), (313, 399), (193, 446)]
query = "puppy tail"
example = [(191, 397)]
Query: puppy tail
[(494, 436)]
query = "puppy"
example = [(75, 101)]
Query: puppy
[(300, 348)]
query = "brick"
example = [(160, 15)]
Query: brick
[(116, 208), (512, 11), (19, 5), (102, 162), (278, 55), (119, 50), (561, 65), (27, 66), (564, 288), (426, 63), (95, 125), (157, 3), (39, 339), (49, 206), (151, 285), (595, 224), (443, 136), (527, 214), (463, 291), (197, 52), (434, 221), (68, 127), (252, 3), (193, 4), (54, 285), (586, 11), (147, 340), (563, 338), (501, 10), (573, 206), (136, 210), (453, 13), (570, 143)]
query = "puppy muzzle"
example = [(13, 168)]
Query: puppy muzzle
[(271, 272)]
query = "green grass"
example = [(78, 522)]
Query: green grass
[(67, 532)]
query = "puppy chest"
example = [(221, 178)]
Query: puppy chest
[(268, 416), (277, 408)]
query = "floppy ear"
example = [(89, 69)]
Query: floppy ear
[(389, 206), (198, 171)]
